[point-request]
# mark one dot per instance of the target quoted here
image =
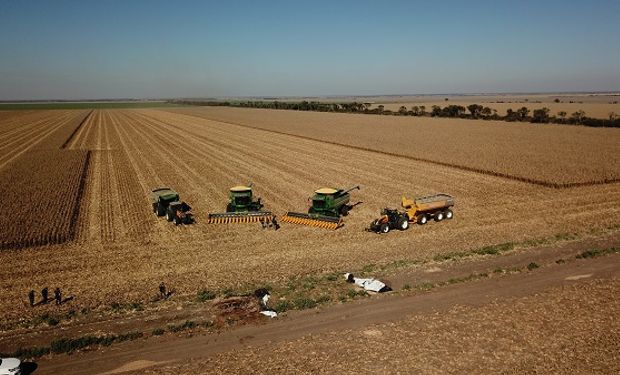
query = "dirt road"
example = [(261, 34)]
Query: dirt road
[(382, 308)]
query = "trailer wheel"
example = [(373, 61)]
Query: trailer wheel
[(449, 214), (422, 219), (385, 228), (403, 223), (439, 216)]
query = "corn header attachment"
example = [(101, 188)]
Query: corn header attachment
[(313, 220), (241, 217)]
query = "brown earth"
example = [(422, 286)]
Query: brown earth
[(126, 251), (120, 251), (546, 154), (500, 324)]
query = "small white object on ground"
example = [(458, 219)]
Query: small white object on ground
[(265, 299), (372, 285), (269, 313)]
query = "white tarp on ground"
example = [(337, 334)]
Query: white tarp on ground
[(372, 285), (269, 313)]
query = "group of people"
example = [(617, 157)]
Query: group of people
[(266, 223), (45, 296)]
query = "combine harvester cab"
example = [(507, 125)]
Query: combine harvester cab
[(241, 208), (328, 204), (422, 209)]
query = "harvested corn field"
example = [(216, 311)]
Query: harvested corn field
[(548, 155), (84, 188), (134, 151)]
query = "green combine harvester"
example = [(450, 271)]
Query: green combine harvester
[(241, 208), (328, 205)]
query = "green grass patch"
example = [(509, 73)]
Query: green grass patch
[(158, 332), (532, 266), (593, 253), (66, 345), (186, 326), (205, 295)]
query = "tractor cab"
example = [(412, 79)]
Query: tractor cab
[(240, 200), (161, 199), (179, 213)]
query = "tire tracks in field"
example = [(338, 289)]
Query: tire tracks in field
[(132, 185), (532, 181), (70, 141), (109, 197), (40, 134), (214, 154), (303, 150), (17, 124), (238, 154)]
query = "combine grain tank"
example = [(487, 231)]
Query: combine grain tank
[(422, 209)]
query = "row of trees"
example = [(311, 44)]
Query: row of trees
[(472, 111)]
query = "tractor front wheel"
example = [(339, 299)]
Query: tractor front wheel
[(403, 223), (385, 228)]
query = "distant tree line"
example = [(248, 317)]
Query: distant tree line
[(472, 111)]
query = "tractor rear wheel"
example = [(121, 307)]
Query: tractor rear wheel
[(422, 219), (403, 222), (439, 216), (385, 228), (449, 214)]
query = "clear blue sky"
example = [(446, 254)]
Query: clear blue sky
[(111, 49)]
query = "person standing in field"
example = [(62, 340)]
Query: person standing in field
[(162, 290), (58, 296), (31, 298), (44, 294)]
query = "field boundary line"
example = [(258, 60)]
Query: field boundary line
[(77, 208), (76, 130), (532, 181)]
